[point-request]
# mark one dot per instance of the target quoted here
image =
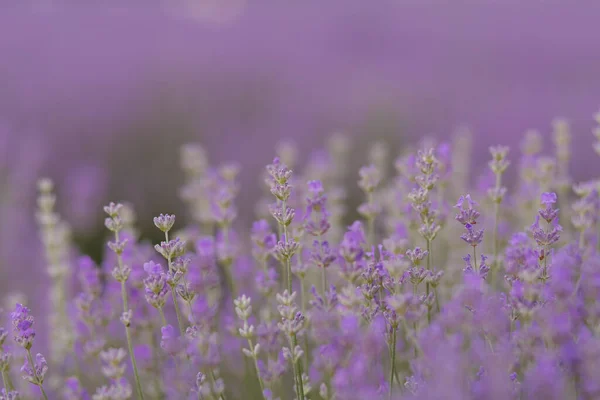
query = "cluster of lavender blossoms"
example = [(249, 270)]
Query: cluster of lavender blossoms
[(430, 289)]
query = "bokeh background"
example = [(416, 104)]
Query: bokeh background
[(100, 97)]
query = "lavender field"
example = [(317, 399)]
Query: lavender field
[(326, 201)]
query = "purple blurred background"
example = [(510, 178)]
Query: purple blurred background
[(100, 98)]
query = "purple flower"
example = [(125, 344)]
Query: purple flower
[(36, 374), (156, 287), (468, 215), (473, 236), (548, 199), (23, 326)]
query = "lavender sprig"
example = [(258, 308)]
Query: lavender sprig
[(121, 273)]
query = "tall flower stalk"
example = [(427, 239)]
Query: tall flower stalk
[(121, 273), (285, 249), (55, 236), (420, 199), (34, 371), (498, 165)]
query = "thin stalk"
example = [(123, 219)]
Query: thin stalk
[(130, 346), (496, 264), (324, 279), (228, 264), (297, 371), (303, 305), (393, 361), (35, 374), (370, 223), (214, 382), (138, 385), (174, 295), (177, 312), (7, 386), (162, 317), (255, 359), (427, 283), (475, 258), (288, 268)]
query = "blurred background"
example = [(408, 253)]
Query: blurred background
[(100, 98)]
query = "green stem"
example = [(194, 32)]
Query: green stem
[(370, 222), (288, 266), (214, 382), (495, 264), (297, 371), (138, 385), (162, 317), (393, 361), (260, 381), (174, 295), (136, 374), (7, 386), (475, 258), (177, 312), (427, 283), (35, 374)]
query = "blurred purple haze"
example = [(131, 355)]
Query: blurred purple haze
[(108, 93)]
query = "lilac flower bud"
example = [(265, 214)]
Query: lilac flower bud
[(171, 249), (497, 194), (319, 227), (370, 177), (23, 326), (351, 247), (243, 308), (121, 274), (185, 292), (267, 281), (473, 236), (482, 269), (429, 231), (399, 303), (126, 317), (369, 210), (285, 250), (467, 215), (118, 247), (499, 164), (283, 217), (73, 390), (169, 341), (5, 361), (434, 278), (156, 288), (279, 172), (164, 222), (281, 191), (3, 336), (544, 237), (322, 255), (426, 161), (113, 366), (417, 275), (416, 255), (41, 367), (113, 210), (114, 224), (9, 395), (89, 276)]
